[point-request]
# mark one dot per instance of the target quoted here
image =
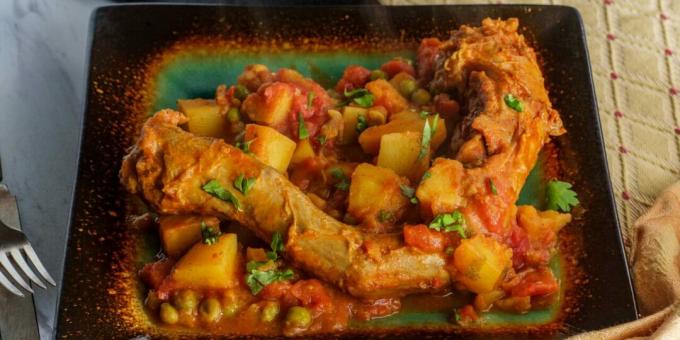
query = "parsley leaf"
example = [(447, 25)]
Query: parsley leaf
[(423, 114), (343, 184), (426, 175), (360, 96), (310, 99), (559, 196), (492, 186), (215, 189), (362, 124), (208, 235), (451, 222), (302, 127), (321, 139), (245, 146), (428, 132), (513, 103), (385, 216), (409, 192), (365, 100), (276, 245), (257, 279), (244, 184)]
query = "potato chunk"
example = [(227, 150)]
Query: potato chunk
[(386, 95), (401, 122), (481, 263), (204, 117), (207, 266), (270, 105), (375, 198), (399, 152), (270, 146), (303, 151), (440, 192), (350, 118), (180, 232)]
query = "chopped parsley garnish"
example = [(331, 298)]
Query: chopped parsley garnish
[(257, 279), (321, 139), (276, 245), (362, 124), (310, 99), (449, 250), (343, 183), (428, 132), (426, 175), (262, 273), (423, 114), (208, 234), (409, 192), (244, 184), (559, 196), (245, 146), (451, 222), (456, 316), (214, 188), (385, 216), (513, 103), (360, 96), (302, 127), (492, 186)]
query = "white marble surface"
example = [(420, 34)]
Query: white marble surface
[(43, 49)]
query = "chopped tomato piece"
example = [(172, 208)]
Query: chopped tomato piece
[(424, 238), (446, 106), (397, 65), (426, 57), (154, 273), (354, 77), (467, 313), (538, 282), (313, 294)]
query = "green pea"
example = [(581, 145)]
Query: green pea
[(233, 115), (407, 87), (241, 92), (210, 310), (420, 97), (298, 317), (378, 74), (186, 300), (169, 314), (270, 311)]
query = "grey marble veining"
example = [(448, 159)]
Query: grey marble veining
[(43, 49)]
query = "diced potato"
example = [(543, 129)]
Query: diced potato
[(541, 226), (270, 105), (402, 122), (204, 117), (440, 192), (386, 95), (481, 262), (270, 146), (350, 116), (484, 301), (180, 232), (399, 152), (375, 197), (207, 266), (303, 151)]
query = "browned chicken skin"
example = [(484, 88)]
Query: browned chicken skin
[(168, 166)]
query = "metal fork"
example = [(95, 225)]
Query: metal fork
[(14, 245)]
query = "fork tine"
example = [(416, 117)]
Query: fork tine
[(5, 262), (38, 265), (19, 259), (5, 283)]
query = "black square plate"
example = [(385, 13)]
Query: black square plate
[(132, 44)]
